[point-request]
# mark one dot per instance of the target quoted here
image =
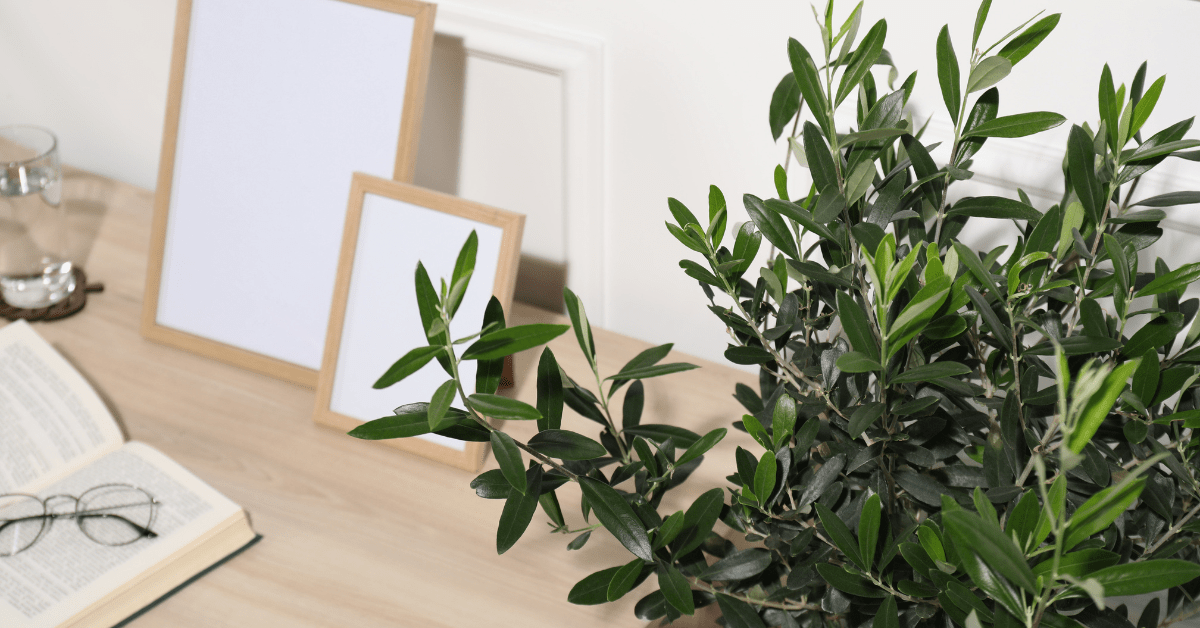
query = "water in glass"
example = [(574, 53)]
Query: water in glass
[(33, 270)]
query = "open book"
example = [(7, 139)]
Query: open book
[(58, 438)]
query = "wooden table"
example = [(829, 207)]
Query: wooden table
[(355, 534)]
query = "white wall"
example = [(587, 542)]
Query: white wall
[(95, 73), (686, 86)]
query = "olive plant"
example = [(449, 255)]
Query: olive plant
[(944, 436)]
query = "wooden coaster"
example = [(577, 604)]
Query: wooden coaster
[(68, 306)]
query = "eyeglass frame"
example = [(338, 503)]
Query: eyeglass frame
[(48, 516)]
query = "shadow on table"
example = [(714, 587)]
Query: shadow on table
[(85, 199)]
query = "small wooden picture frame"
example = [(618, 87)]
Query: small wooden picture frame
[(390, 226), (272, 106)]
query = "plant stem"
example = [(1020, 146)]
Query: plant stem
[(784, 365), (785, 605), (1170, 533), (1100, 228), (479, 418), (1016, 356), (958, 128), (612, 426), (1050, 430), (784, 370), (787, 158)]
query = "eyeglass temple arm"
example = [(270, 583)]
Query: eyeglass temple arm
[(144, 531)]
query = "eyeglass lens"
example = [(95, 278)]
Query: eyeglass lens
[(115, 514), (21, 522)]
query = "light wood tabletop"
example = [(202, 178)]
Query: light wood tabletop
[(354, 533)]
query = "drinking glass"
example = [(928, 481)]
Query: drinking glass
[(34, 271)]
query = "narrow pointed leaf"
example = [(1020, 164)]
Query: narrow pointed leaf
[(916, 315), (809, 82), (503, 408), (1100, 405), (771, 225), (855, 362), (508, 456), (717, 215), (624, 579), (783, 421), (669, 530), (464, 266), (1020, 46), (1081, 564), (1170, 199), (682, 214), (820, 160), (442, 397), (632, 406), (931, 372), (999, 330), (617, 516), (975, 265), (701, 516), (868, 529), (653, 370), (869, 135), (1141, 112), (566, 445), (988, 72), (518, 512), (549, 392), (889, 615), (785, 102), (824, 477), (1146, 577), (1145, 151), (739, 565), (948, 74), (765, 477), (1101, 509), (489, 372), (579, 322), (861, 61), (738, 614), (1179, 278), (511, 340), (409, 420), (994, 207), (989, 542), (593, 589), (1018, 125), (847, 582), (840, 534), (427, 304), (857, 325), (700, 447), (682, 437), (864, 417), (410, 363)]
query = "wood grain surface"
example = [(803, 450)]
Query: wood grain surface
[(355, 534)]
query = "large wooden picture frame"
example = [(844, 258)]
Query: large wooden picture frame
[(390, 226), (273, 104)]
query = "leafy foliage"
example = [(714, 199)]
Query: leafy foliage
[(982, 439)]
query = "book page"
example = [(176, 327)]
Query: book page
[(66, 571), (51, 419)]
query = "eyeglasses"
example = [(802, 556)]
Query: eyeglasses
[(109, 514)]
